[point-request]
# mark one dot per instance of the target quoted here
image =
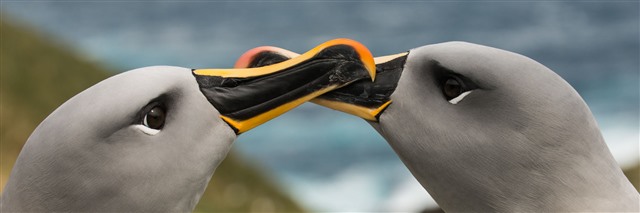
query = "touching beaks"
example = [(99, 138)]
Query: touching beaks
[(365, 99), (249, 96)]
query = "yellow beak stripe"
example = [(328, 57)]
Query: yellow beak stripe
[(387, 58), (363, 112), (245, 125), (362, 51)]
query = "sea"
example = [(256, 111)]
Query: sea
[(326, 160)]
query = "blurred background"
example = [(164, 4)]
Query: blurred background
[(311, 159)]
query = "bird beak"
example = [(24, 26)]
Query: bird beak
[(247, 97), (365, 99)]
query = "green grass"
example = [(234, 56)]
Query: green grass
[(37, 75)]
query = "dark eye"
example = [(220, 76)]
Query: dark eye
[(154, 119), (452, 88)]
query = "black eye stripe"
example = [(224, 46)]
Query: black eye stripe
[(449, 81)]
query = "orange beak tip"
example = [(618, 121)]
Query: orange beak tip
[(245, 59), (363, 51)]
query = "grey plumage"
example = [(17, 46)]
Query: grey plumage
[(517, 137), (149, 140), (91, 154), (524, 141)]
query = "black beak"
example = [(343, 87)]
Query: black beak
[(249, 97), (365, 99)]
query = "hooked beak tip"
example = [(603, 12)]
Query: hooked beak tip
[(365, 55)]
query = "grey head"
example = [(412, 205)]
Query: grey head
[(484, 129), (102, 150), (149, 140)]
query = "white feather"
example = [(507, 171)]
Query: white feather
[(460, 97), (147, 130)]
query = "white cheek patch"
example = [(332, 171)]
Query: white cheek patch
[(460, 97), (147, 130)]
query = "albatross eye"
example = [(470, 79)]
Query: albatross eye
[(154, 119), (452, 88)]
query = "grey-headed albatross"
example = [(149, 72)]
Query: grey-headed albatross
[(483, 129), (149, 140)]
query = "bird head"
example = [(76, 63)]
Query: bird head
[(468, 120), (150, 139)]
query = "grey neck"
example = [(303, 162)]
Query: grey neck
[(590, 180)]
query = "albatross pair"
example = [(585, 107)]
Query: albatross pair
[(484, 129)]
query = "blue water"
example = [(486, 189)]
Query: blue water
[(328, 160)]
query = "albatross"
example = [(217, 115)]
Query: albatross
[(150, 139), (484, 129)]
